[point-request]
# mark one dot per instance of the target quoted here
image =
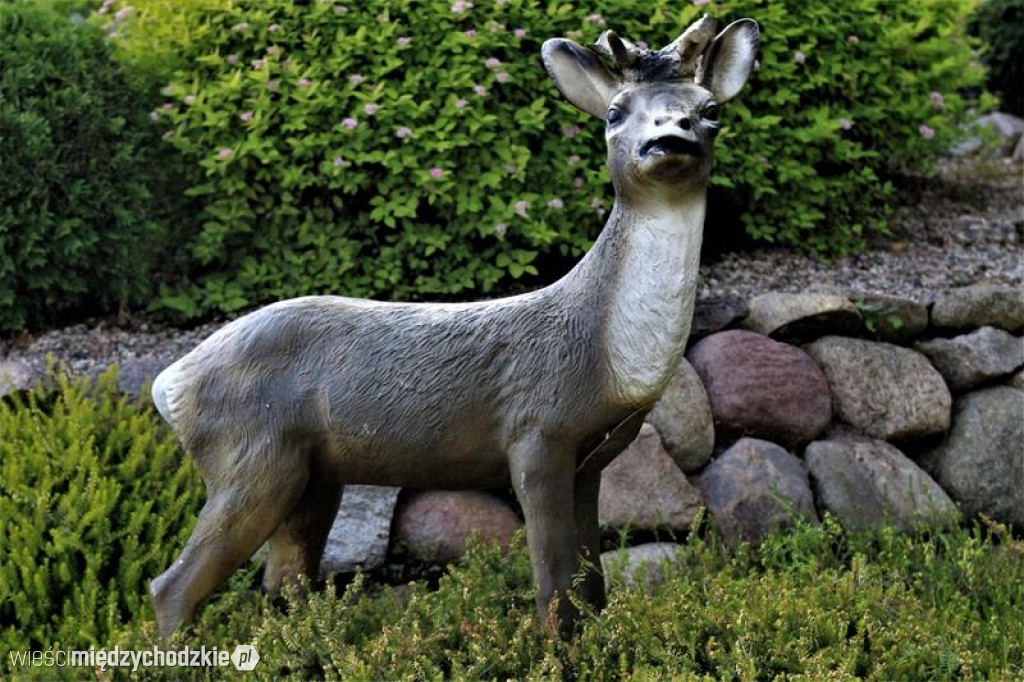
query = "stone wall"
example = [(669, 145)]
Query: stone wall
[(875, 409)]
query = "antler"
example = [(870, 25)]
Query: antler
[(679, 59)]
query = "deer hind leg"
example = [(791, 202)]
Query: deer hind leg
[(238, 517), (297, 545), (586, 491)]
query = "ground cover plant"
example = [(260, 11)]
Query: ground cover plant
[(95, 499), (348, 148)]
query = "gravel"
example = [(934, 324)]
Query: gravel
[(961, 226)]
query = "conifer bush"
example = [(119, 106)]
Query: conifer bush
[(417, 149), (96, 499)]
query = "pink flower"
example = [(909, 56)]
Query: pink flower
[(492, 63), (556, 204), (274, 50), (461, 104), (595, 19), (273, 85), (522, 208), (189, 99), (852, 39), (519, 33), (845, 123), (154, 115), (288, 63), (245, 116), (926, 132), (168, 106), (642, 44), (404, 40), (437, 173), (573, 160), (479, 90), (340, 9), (502, 77), (510, 168), (495, 26), (123, 13), (597, 206), (224, 153), (500, 229), (461, 6), (403, 132), (700, 3), (570, 131), (258, 64), (799, 57), (274, 28), (338, 162), (937, 99), (578, 181), (304, 83), (350, 123), (356, 79), (471, 33), (241, 26), (757, 65), (371, 108), (232, 59)]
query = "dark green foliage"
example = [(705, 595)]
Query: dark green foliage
[(1000, 24), (77, 204), (96, 499), (296, 201)]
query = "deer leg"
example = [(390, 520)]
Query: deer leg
[(297, 546), (542, 477), (234, 522), (585, 496)]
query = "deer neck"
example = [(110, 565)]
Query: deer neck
[(643, 270)]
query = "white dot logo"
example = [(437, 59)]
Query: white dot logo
[(245, 657)]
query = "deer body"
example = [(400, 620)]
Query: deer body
[(283, 407)]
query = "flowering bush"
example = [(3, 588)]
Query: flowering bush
[(78, 190), (417, 149)]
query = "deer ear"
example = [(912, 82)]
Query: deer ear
[(579, 75), (727, 64)]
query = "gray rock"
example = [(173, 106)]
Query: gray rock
[(761, 388), (644, 489), (684, 421), (133, 375), (883, 390), (1018, 150), (972, 359), (979, 305), (435, 525), (359, 536), (716, 313), (981, 462), (1010, 127), (867, 483), (644, 566), (892, 319), (797, 318), (754, 488), (17, 376), (1017, 381)]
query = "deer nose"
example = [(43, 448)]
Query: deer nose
[(680, 120)]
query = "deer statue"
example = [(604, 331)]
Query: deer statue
[(283, 407)]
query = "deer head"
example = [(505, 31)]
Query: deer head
[(660, 107)]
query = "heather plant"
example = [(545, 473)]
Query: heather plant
[(82, 187), (409, 150)]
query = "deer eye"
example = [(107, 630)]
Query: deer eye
[(614, 115), (710, 112)]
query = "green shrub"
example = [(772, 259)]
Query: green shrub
[(78, 205), (1000, 24), (465, 175), (96, 499)]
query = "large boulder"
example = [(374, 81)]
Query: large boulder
[(761, 388), (643, 488), (867, 483), (891, 319), (979, 305), (16, 376), (796, 318), (359, 536), (435, 525), (642, 566), (754, 488), (133, 374), (716, 313), (981, 462), (972, 359), (684, 421), (883, 390)]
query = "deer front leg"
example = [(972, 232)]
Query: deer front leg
[(542, 476), (586, 492)]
